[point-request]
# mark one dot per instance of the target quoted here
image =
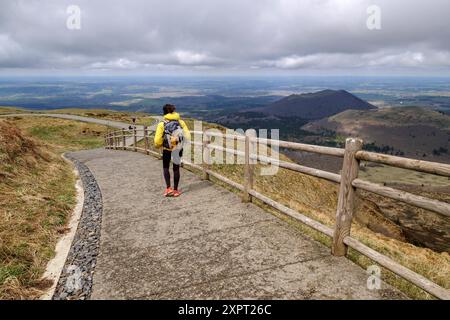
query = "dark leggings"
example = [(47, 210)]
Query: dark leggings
[(176, 169)]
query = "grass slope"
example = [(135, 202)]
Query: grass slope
[(37, 194), (311, 196), (414, 132)]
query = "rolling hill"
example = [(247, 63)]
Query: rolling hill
[(406, 131), (317, 105), (289, 114)]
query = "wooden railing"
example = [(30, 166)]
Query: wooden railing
[(348, 181)]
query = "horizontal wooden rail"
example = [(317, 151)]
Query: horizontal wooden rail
[(352, 155), (283, 164), (144, 130), (225, 180), (335, 152), (119, 132), (224, 135), (287, 165), (195, 166), (403, 196), (195, 143), (384, 261), (398, 269), (294, 214), (299, 168), (228, 150), (406, 163), (123, 135), (217, 176)]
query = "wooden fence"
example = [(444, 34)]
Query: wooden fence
[(348, 181)]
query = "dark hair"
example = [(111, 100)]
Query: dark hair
[(168, 108)]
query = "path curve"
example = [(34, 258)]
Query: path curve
[(204, 244), (109, 123)]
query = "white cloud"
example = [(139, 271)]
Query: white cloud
[(404, 59), (190, 58), (293, 62), (376, 61), (316, 61), (121, 63)]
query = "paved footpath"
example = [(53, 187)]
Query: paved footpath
[(205, 244), (110, 123)]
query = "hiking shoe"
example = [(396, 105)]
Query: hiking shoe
[(168, 192), (176, 193)]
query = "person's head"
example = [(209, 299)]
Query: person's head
[(168, 108)]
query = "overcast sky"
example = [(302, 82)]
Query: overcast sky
[(295, 37)]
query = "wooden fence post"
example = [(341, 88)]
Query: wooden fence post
[(346, 199), (206, 156), (147, 144), (123, 139), (249, 168), (115, 140), (134, 139)]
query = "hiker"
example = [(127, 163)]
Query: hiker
[(170, 135)]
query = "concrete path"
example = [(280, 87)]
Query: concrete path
[(204, 244)]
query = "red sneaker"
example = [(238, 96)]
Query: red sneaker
[(168, 192), (176, 193)]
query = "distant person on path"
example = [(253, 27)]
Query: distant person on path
[(170, 135)]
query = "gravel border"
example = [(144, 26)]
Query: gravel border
[(75, 282)]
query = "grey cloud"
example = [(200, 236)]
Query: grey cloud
[(225, 34)]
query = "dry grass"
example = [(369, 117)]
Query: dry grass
[(387, 174), (141, 117), (37, 194), (313, 197), (317, 199), (7, 110), (390, 117), (62, 135)]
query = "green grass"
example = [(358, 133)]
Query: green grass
[(6, 110), (35, 205), (142, 118), (64, 135), (37, 194), (317, 200)]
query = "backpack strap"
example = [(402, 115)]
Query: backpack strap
[(165, 123)]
